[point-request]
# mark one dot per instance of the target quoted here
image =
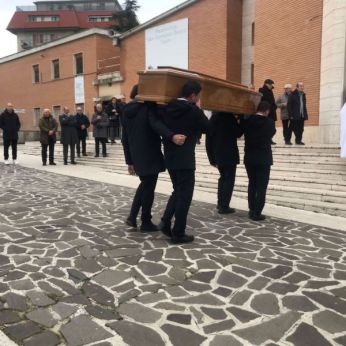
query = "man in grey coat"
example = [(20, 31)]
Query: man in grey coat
[(100, 121), (281, 102), (69, 134)]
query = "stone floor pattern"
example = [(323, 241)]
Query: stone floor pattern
[(71, 273)]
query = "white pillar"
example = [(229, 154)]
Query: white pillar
[(333, 62)]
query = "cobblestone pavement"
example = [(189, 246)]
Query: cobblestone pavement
[(71, 273)]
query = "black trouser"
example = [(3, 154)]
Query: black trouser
[(83, 140), (97, 146), (144, 198), (72, 151), (50, 145), (226, 185), (258, 183), (10, 143), (298, 129), (179, 203), (287, 129)]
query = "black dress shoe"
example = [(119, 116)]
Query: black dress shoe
[(85, 154), (273, 143), (73, 162), (65, 163), (44, 164), (148, 227), (78, 155), (52, 163), (227, 210), (185, 239), (97, 155), (130, 222), (300, 143), (288, 143), (258, 217), (251, 213), (165, 229), (104, 155)]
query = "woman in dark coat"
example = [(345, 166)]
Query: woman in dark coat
[(69, 134), (83, 124), (223, 153), (113, 113)]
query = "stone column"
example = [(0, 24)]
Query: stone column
[(333, 62)]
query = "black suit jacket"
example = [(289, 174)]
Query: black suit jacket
[(221, 144), (268, 96), (293, 106)]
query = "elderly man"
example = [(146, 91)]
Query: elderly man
[(48, 128), (297, 111), (101, 122), (83, 124), (10, 125), (69, 134), (281, 102)]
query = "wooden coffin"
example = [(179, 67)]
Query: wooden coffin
[(165, 84)]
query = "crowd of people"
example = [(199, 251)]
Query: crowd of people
[(178, 126)]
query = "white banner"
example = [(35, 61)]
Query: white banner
[(168, 45), (79, 89)]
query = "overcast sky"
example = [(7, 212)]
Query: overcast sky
[(148, 10)]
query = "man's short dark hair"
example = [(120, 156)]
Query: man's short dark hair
[(263, 107), (191, 87), (134, 92)]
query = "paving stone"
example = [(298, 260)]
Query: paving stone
[(134, 334), (306, 335), (139, 312), (175, 253), (152, 269), (242, 315), (225, 340), (169, 306), (223, 292), (229, 279), (266, 303), (297, 277), (65, 286), (102, 314), (22, 285), (75, 299), (39, 298), (315, 271), (205, 277), (298, 303), (339, 292), (192, 286), (241, 297), (341, 340), (47, 338), (43, 317), (98, 293), (273, 329), (129, 252), (202, 299), (15, 301), (64, 310), (87, 265), (82, 330), (219, 327), (152, 298), (277, 272), (22, 331), (110, 278), (128, 296), (216, 314), (8, 317), (320, 284), (327, 300), (179, 318), (76, 274), (330, 321), (181, 336), (282, 288)]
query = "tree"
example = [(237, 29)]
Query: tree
[(126, 19)]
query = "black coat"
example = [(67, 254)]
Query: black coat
[(69, 134), (258, 131), (82, 119), (268, 96), (114, 117), (221, 145), (293, 106), (186, 119), (10, 125), (141, 139)]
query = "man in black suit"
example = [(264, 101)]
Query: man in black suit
[(258, 130), (268, 96), (182, 116), (223, 153), (141, 140)]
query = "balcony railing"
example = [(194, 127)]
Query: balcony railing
[(26, 8)]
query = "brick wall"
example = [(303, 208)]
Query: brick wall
[(288, 46), (208, 41)]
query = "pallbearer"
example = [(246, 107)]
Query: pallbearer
[(223, 153), (48, 128), (258, 130), (182, 116), (142, 129)]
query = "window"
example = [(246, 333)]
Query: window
[(56, 111), (38, 39), (98, 19), (253, 34), (78, 58), (36, 74), (37, 19), (37, 116), (56, 69), (252, 74)]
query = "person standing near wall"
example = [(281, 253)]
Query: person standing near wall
[(48, 128), (10, 125), (281, 102), (100, 122), (113, 116), (69, 135), (83, 124)]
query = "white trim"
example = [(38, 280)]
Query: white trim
[(67, 39), (157, 18)]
